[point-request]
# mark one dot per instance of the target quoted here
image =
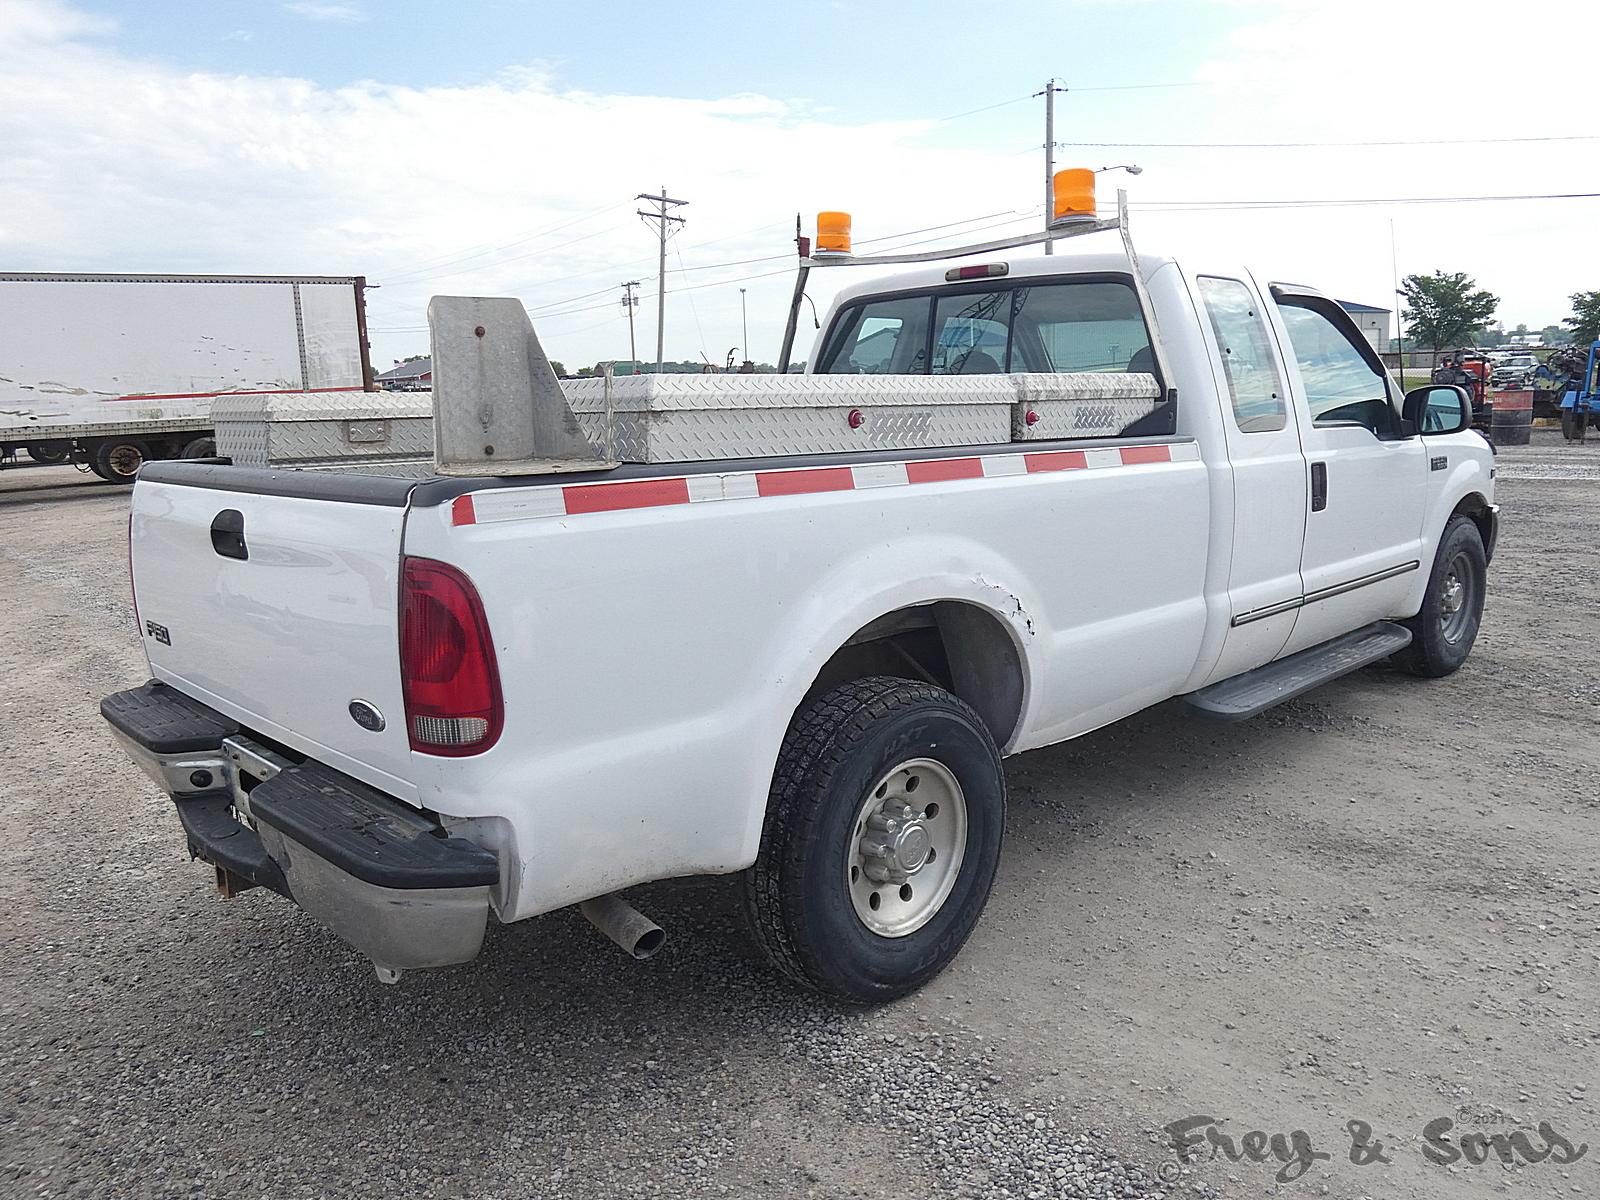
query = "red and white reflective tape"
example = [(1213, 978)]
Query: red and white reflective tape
[(577, 499)]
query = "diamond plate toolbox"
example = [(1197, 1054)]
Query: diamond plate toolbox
[(682, 418), (1080, 406), (688, 418), (312, 429)]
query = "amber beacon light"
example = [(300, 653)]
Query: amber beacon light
[(1073, 196), (833, 231)]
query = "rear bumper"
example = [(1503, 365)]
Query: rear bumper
[(380, 875)]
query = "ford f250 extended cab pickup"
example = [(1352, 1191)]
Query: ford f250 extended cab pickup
[(411, 704)]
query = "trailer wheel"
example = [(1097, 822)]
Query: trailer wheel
[(1452, 609), (51, 454), (200, 447), (117, 460), (881, 841)]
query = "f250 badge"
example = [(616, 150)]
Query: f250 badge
[(159, 632), (367, 716)]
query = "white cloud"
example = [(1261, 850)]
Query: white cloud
[(117, 163), (31, 22), (340, 14), (122, 164)]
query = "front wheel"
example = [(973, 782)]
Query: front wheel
[(1443, 632), (881, 841)]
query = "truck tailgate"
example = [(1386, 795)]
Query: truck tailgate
[(284, 632)]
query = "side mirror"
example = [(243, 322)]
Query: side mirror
[(1438, 408)]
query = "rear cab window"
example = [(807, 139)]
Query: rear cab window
[(1082, 324), (1254, 384)]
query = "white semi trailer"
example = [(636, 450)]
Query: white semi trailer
[(111, 371)]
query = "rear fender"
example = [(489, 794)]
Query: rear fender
[(872, 584)]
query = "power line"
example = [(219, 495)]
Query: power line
[(1013, 216), (451, 269), (490, 247), (1576, 137), (692, 308), (1107, 87), (972, 112), (1248, 205), (1152, 206)]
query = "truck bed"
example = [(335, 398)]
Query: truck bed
[(651, 644)]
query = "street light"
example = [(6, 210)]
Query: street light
[(744, 319), (1130, 168)]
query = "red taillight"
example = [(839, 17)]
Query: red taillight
[(447, 664)]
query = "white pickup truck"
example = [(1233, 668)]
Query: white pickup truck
[(409, 705)]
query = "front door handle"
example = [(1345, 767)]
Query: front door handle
[(1319, 486)]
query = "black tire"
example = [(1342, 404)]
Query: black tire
[(1442, 638), (43, 452), (797, 894), (200, 447), (117, 460)]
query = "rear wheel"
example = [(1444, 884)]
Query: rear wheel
[(117, 460), (51, 453), (200, 447), (1443, 632), (882, 837)]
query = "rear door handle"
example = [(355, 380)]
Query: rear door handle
[(227, 534), (1319, 486)]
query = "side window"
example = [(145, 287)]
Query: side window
[(1341, 385), (1241, 332), (885, 337), (1090, 326), (971, 333)]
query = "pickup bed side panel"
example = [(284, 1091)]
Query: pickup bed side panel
[(651, 658)]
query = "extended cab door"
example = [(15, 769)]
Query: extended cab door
[(1268, 471), (1366, 483)]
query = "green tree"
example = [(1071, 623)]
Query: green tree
[(1585, 319), (559, 367), (1443, 309)]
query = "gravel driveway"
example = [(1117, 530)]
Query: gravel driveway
[(1378, 904)]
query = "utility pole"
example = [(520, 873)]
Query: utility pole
[(629, 303), (1049, 94), (744, 320), (663, 218)]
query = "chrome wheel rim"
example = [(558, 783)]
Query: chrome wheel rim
[(1456, 599), (906, 845)]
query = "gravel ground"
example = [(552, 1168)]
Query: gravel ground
[(1377, 903)]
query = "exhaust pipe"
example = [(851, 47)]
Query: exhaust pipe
[(637, 934)]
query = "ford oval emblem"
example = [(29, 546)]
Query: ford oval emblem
[(367, 716)]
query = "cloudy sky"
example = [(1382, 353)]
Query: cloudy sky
[(495, 147)]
